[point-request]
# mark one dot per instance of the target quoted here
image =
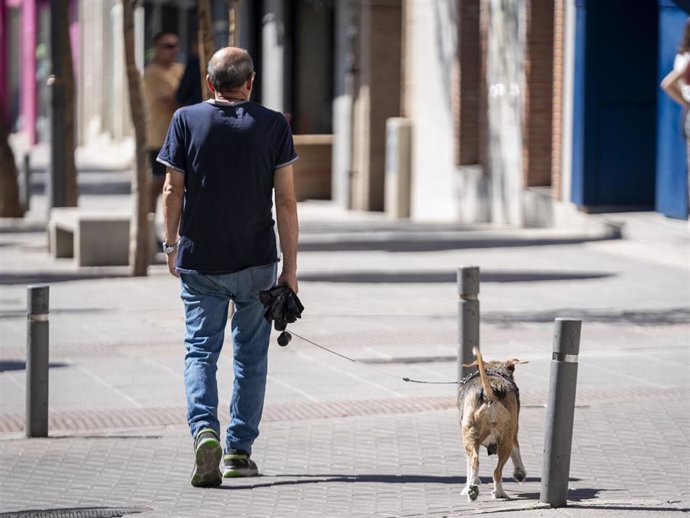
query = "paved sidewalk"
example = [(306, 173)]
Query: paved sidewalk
[(343, 440)]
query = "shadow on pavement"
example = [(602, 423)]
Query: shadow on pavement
[(642, 317), (429, 244), (52, 277), (619, 507), (18, 365), (92, 189), (447, 277), (574, 495), (376, 478)]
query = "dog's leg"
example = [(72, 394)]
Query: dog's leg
[(504, 452), (472, 486), (519, 474)]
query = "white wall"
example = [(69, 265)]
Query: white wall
[(342, 109), (430, 51), (567, 120), (504, 70), (273, 57)]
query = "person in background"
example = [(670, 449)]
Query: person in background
[(161, 79), (189, 91), (225, 159), (677, 85)]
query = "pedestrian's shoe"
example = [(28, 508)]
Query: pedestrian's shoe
[(207, 455), (238, 464)]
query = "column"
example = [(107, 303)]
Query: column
[(345, 63), (377, 98), (273, 37)]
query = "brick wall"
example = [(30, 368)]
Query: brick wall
[(483, 128), (538, 92), (557, 116), (466, 84)]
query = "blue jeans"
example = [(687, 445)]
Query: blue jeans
[(206, 299)]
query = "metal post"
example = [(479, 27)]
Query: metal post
[(37, 361), (26, 177), (560, 412), (468, 316)]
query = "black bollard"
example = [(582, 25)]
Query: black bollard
[(26, 182), (37, 328), (560, 412)]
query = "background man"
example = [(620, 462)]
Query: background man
[(225, 158), (161, 78)]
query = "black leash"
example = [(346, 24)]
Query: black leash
[(408, 380)]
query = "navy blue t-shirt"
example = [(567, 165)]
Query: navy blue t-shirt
[(228, 154)]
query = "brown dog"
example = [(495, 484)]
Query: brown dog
[(489, 411)]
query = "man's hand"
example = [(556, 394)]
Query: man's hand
[(173, 194), (290, 279), (171, 259)]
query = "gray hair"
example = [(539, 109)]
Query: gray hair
[(230, 68)]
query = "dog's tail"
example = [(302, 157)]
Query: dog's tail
[(488, 391)]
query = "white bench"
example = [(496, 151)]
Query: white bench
[(92, 237)]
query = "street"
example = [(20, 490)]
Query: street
[(345, 439)]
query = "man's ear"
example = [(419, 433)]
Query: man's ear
[(210, 84), (250, 83)]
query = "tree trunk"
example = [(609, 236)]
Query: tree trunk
[(233, 28), (10, 206), (206, 45), (139, 233), (63, 86), (71, 189)]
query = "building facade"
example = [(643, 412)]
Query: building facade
[(522, 112)]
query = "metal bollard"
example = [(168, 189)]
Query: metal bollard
[(37, 361), (560, 412), (468, 316), (26, 181)]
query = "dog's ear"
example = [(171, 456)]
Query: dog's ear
[(510, 364), (473, 364)]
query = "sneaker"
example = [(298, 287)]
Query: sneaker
[(238, 464), (207, 455)]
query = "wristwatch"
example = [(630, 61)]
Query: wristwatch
[(170, 249)]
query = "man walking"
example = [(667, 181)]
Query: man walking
[(224, 159)]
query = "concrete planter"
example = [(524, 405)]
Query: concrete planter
[(313, 169)]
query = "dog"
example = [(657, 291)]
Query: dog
[(489, 404)]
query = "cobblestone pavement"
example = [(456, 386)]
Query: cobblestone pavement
[(345, 440), (395, 465)]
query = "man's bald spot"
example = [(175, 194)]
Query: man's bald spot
[(229, 68), (228, 56)]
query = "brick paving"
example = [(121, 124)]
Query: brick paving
[(386, 465), (341, 440)]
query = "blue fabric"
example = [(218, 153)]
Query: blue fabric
[(206, 299), (228, 154)]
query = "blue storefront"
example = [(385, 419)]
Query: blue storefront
[(628, 152)]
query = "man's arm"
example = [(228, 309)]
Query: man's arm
[(288, 229), (173, 195), (671, 85)]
